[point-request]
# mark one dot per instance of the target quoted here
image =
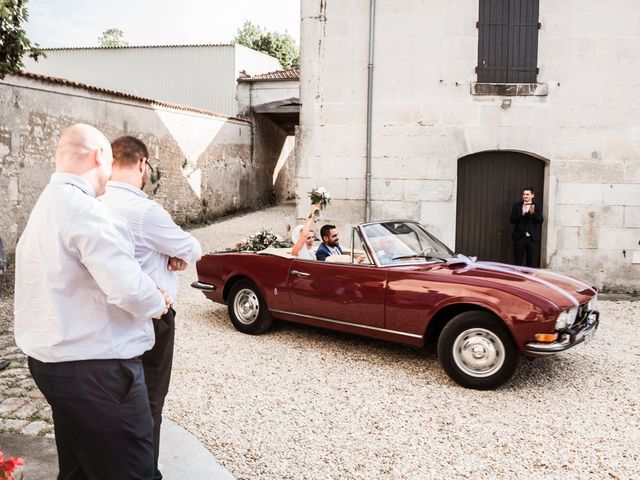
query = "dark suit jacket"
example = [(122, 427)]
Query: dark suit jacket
[(526, 223), (323, 252)]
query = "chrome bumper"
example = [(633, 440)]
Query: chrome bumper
[(568, 338), (205, 287)]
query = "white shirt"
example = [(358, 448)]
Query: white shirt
[(80, 293), (155, 234)]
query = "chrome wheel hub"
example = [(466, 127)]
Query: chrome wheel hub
[(246, 306), (478, 352)]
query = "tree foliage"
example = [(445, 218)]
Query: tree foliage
[(14, 43), (112, 37), (279, 45)]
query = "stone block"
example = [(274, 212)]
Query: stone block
[(390, 210), (12, 425), (386, 189), (399, 167), (619, 238), (445, 167), (27, 410), (622, 194), (587, 170), (437, 213), (428, 190), (36, 428), (356, 188), (632, 217), (579, 215), (10, 404), (568, 238), (579, 194)]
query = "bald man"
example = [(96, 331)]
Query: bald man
[(83, 310)]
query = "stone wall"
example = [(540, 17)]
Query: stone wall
[(206, 162), (582, 120)]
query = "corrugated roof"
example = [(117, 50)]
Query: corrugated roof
[(148, 101), (141, 46), (288, 74)]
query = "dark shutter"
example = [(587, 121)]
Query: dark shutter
[(508, 41)]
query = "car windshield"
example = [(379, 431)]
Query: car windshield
[(403, 242)]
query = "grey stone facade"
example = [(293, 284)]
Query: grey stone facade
[(210, 165)]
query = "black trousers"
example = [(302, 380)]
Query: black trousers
[(157, 364), (101, 416), (525, 247)]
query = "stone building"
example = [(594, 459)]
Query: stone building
[(206, 164), (470, 101)]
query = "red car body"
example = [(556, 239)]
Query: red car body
[(408, 303)]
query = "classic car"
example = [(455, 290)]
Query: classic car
[(399, 283)]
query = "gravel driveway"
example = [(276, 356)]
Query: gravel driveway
[(300, 402)]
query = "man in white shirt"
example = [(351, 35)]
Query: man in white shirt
[(161, 247), (83, 310)]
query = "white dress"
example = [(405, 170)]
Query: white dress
[(306, 253)]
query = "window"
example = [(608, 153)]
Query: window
[(508, 41)]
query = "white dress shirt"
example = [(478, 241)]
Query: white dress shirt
[(156, 236), (80, 293)]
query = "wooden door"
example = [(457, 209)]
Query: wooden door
[(489, 183)]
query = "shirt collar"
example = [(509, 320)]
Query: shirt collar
[(75, 180), (128, 187)]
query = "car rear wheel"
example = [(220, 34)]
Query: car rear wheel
[(477, 351), (247, 309)]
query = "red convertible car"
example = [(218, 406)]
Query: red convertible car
[(397, 282)]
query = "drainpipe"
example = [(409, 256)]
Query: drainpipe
[(372, 23)]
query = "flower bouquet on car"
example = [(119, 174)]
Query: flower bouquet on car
[(320, 196), (261, 240)]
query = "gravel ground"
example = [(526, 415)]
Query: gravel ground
[(304, 403)]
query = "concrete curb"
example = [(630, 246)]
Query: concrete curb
[(182, 456)]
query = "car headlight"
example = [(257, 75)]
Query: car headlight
[(593, 303), (566, 318)]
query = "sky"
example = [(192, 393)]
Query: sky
[(79, 23)]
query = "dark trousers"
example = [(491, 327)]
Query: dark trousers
[(525, 247), (101, 417), (157, 373)]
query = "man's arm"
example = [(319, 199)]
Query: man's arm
[(536, 216), (516, 213), (106, 250), (161, 234), (322, 253)]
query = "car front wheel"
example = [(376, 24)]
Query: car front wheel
[(477, 351), (247, 309)]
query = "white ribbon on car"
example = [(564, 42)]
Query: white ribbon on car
[(471, 263)]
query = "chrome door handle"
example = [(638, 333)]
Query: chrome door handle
[(300, 274)]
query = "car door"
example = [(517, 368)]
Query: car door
[(344, 292)]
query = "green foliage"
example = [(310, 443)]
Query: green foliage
[(14, 43), (112, 37), (279, 45)]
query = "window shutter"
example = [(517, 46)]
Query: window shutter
[(508, 41)]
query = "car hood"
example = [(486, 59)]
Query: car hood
[(560, 289)]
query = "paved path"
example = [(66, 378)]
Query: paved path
[(26, 429)]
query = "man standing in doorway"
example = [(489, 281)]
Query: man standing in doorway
[(161, 247), (527, 219)]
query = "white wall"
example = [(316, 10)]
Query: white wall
[(425, 118), (198, 76)]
